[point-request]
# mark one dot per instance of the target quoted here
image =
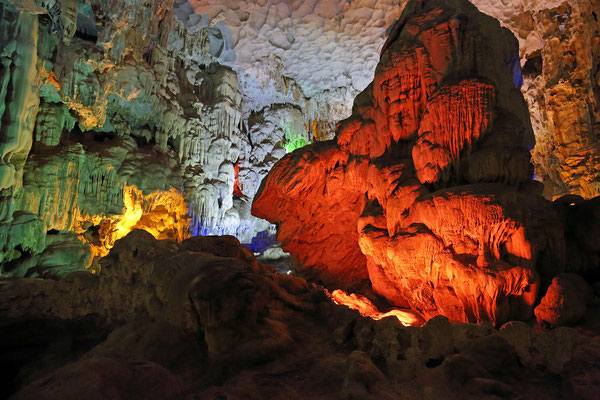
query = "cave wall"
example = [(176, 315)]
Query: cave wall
[(126, 121), (102, 99), (559, 50), (19, 104)]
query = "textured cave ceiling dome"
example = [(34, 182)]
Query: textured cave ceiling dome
[(330, 48)]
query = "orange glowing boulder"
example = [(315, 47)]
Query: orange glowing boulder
[(314, 196), (427, 188), (466, 252)]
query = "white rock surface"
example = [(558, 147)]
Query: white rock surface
[(326, 46)]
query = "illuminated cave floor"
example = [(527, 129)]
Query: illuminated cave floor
[(204, 320), (367, 306)]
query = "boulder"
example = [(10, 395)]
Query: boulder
[(565, 301), (99, 378), (202, 319)]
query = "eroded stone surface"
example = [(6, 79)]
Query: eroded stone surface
[(191, 77), (558, 53), (415, 173), (565, 302), (127, 98), (202, 319)]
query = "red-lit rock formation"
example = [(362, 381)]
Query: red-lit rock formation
[(565, 302), (427, 189), (317, 201)]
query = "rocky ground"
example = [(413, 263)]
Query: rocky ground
[(203, 320)]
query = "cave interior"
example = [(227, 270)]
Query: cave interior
[(287, 199)]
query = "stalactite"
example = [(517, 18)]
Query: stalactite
[(19, 101)]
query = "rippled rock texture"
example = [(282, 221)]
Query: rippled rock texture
[(427, 189)]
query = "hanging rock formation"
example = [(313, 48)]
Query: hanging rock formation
[(148, 81), (19, 104), (427, 189), (129, 101)]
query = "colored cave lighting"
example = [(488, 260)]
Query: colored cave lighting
[(367, 309), (237, 186), (294, 143), (161, 213), (293, 140), (318, 134)]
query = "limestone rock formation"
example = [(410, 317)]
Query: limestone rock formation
[(316, 204), (561, 85), (127, 121), (558, 50), (427, 190), (558, 41), (126, 100), (87, 194), (202, 319), (18, 107), (207, 82), (328, 49), (565, 301)]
